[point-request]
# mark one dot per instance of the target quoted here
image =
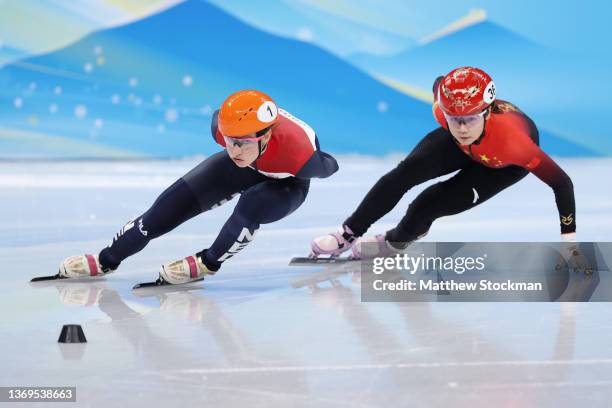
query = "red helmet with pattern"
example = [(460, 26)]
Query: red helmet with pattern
[(466, 91)]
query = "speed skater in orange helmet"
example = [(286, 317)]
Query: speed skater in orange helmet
[(268, 160)]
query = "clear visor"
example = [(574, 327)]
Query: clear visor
[(242, 141), (467, 120)]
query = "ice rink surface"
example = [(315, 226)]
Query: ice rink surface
[(246, 337)]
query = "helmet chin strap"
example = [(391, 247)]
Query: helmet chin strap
[(261, 147), (488, 114)]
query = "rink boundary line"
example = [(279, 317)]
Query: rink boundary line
[(553, 384), (241, 370)]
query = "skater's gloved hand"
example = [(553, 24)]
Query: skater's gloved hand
[(571, 254)]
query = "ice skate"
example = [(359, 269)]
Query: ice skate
[(186, 270), (372, 247), (79, 266), (378, 246), (332, 244), (75, 267), (82, 266), (189, 269)]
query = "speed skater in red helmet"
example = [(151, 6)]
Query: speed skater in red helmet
[(490, 142), (268, 160)]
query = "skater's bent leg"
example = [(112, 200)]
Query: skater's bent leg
[(420, 215), (434, 156), (263, 203), (174, 206), (211, 183), (467, 189), (217, 179)]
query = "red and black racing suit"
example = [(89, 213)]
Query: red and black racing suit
[(507, 151)]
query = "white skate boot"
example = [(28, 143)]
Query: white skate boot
[(190, 269), (82, 266), (333, 244)]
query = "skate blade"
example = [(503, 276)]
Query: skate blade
[(48, 278), (309, 261), (41, 280), (160, 283)]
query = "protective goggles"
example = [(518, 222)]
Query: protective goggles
[(468, 120), (246, 141), (241, 141)]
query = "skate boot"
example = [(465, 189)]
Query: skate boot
[(372, 247), (82, 266), (333, 244), (190, 269), (378, 246)]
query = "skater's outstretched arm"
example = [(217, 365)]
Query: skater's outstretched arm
[(534, 159)]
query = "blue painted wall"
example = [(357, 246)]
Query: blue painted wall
[(148, 88)]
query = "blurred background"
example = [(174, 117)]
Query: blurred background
[(140, 79)]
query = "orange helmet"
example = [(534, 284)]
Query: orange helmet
[(246, 112)]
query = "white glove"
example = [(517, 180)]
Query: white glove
[(570, 252)]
